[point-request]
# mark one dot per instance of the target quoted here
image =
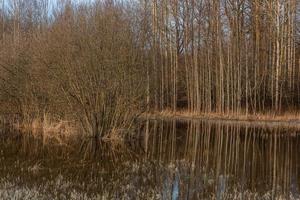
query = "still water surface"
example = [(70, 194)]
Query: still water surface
[(167, 160)]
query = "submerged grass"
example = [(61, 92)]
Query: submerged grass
[(61, 188)]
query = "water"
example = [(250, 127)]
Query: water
[(166, 160)]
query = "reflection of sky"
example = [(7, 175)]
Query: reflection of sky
[(294, 187), (171, 188), (175, 192), (221, 187)]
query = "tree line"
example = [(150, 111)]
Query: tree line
[(225, 55), (105, 57)]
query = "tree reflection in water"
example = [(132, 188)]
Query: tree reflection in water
[(166, 160)]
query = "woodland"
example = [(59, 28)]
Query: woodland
[(104, 62)]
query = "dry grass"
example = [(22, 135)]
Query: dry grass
[(49, 129), (261, 117), (61, 131)]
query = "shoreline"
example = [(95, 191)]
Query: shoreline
[(285, 120)]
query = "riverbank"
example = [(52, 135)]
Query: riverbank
[(286, 119)]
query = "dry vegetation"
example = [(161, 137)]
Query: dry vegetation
[(100, 64), (79, 64), (289, 118)]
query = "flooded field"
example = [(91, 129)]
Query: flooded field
[(165, 160)]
